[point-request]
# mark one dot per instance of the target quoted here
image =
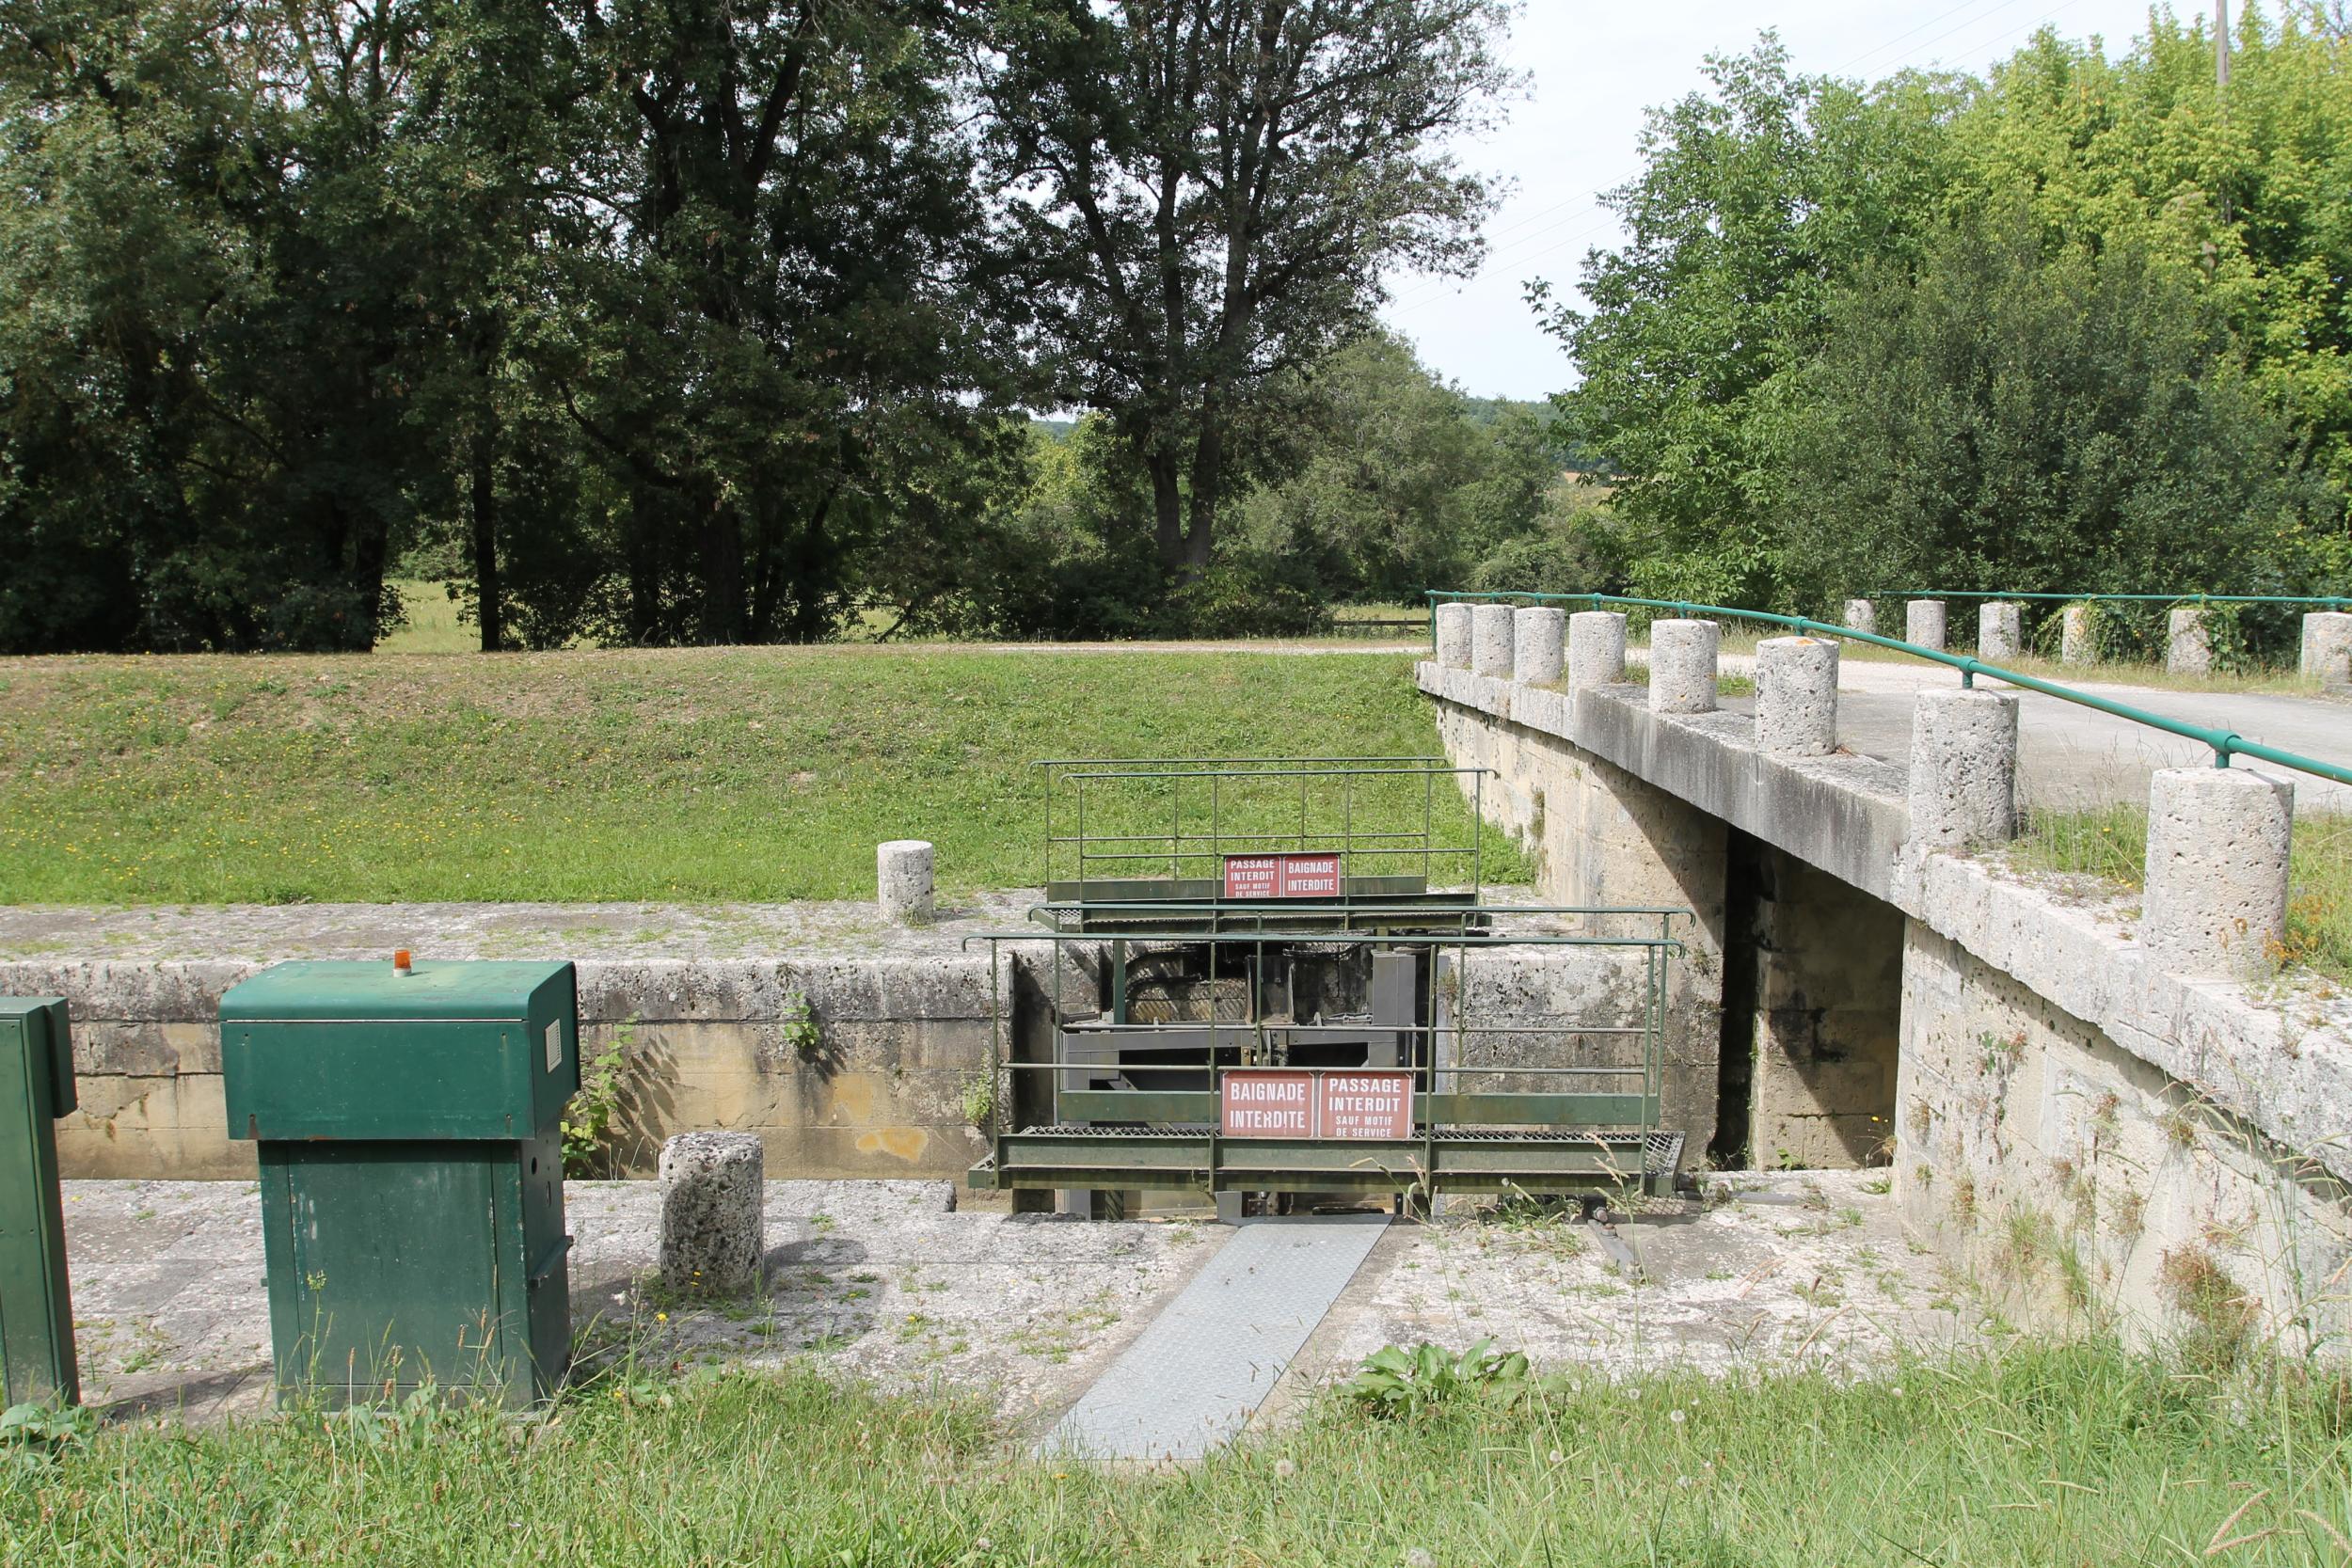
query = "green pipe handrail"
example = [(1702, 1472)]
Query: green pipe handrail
[(2333, 602), (2225, 743)]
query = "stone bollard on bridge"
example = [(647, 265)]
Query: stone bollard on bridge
[(902, 876), (2328, 648), (2216, 905), (1964, 769), (713, 1214), (1796, 696), (1490, 641), (1538, 644), (1999, 632), (1682, 660), (2187, 644), (2075, 644), (1453, 635), (1923, 624), (1595, 649), (1862, 615)]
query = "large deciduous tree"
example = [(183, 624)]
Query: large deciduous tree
[(1757, 196), (787, 320), (1209, 191), (2073, 422), (206, 329)]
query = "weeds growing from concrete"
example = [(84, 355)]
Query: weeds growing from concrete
[(2110, 845)]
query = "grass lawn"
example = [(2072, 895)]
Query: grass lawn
[(2112, 846), (760, 774), (2048, 1456), (433, 627)]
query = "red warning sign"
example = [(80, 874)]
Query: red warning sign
[(1314, 875), (1269, 1103), (1366, 1105), (1284, 1103)]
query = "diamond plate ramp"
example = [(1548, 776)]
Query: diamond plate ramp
[(1194, 1376)]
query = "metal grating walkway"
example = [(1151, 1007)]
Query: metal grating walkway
[(1205, 1363)]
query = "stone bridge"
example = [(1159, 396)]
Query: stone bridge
[(2101, 1106)]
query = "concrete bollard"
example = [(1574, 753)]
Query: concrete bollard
[(1796, 696), (713, 1221), (1538, 644), (1453, 635), (1923, 623), (1964, 769), (2075, 643), (1490, 640), (2327, 648), (2187, 646), (1682, 658), (1596, 648), (1861, 615), (1999, 634), (902, 876), (2217, 898)]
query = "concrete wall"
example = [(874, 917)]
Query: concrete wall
[(1515, 1006), (900, 1036), (1825, 1013), (1602, 836), (2083, 1132), (2079, 1185)]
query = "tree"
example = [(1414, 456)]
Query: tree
[(787, 311), (483, 161), (1389, 483), (1209, 190), (2077, 423), (1757, 196), (206, 326)]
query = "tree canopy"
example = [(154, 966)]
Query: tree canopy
[(2078, 326), (669, 321), (660, 321)]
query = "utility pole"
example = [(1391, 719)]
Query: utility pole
[(2221, 42)]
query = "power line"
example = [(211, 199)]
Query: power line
[(1923, 26)]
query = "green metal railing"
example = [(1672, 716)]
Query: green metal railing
[(1465, 1106), (2225, 743), (1362, 809), (2331, 603)]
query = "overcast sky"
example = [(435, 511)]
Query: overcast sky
[(1594, 69)]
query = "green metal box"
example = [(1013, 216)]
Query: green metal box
[(449, 1050), (412, 1170), (37, 1359)]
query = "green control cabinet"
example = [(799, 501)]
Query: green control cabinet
[(35, 1305), (412, 1170)]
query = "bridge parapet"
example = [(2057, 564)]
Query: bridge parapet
[(2125, 1083)]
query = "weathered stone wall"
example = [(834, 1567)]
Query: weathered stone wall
[(2087, 1128), (1516, 1008), (2079, 1185), (1602, 836), (901, 1027), (1827, 1012)]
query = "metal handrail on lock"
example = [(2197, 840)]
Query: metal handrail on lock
[(2225, 743)]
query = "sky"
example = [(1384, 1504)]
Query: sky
[(1594, 69)]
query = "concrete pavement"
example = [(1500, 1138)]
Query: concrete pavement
[(2070, 757)]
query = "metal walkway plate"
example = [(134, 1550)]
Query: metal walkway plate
[(1198, 1372)]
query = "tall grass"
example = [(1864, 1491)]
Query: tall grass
[(430, 623), (2075, 1455), (2110, 844)]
